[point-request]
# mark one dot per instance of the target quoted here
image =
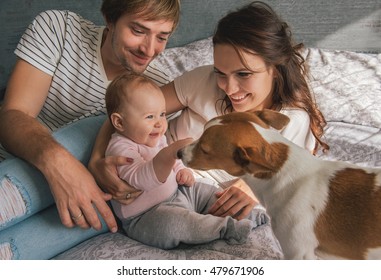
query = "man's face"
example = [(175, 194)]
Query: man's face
[(136, 42)]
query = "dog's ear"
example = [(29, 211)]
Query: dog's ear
[(273, 118), (241, 157), (252, 162), (261, 163)]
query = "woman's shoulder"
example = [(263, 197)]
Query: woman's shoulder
[(200, 78), (296, 115), (202, 71), (298, 129)]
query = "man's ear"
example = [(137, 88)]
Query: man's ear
[(117, 121)]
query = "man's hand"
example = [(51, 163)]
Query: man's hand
[(105, 173), (77, 196)]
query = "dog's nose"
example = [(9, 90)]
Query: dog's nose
[(179, 154)]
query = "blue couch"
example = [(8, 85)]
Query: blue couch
[(340, 25)]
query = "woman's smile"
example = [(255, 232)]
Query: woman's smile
[(238, 98)]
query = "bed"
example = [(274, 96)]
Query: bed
[(347, 86), (345, 78)]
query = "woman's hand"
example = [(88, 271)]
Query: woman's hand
[(105, 173), (236, 201)]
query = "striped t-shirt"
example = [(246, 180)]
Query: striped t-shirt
[(68, 47)]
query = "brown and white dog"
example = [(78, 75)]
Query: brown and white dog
[(316, 206)]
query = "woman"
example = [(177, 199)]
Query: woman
[(256, 66)]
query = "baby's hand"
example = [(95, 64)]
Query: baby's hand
[(185, 177)]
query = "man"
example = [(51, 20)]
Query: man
[(65, 64)]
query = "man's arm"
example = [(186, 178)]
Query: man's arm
[(74, 189), (104, 169), (26, 93)]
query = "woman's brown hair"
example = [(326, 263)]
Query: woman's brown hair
[(257, 29)]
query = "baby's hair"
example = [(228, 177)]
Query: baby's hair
[(118, 89)]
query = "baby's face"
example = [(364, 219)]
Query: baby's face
[(144, 115)]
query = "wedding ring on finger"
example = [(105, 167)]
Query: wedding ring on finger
[(77, 217), (128, 195)]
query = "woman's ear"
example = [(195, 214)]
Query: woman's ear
[(117, 121)]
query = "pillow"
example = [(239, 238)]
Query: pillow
[(175, 61)]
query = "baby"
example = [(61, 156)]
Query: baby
[(172, 208)]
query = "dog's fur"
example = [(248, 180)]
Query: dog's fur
[(315, 206)]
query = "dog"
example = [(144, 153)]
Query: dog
[(319, 209)]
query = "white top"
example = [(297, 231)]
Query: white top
[(198, 91)]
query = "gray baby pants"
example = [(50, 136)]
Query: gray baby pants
[(184, 218)]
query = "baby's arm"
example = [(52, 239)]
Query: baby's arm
[(165, 160)]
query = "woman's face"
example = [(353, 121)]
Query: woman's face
[(248, 89)]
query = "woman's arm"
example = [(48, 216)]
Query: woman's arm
[(237, 200), (171, 100)]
